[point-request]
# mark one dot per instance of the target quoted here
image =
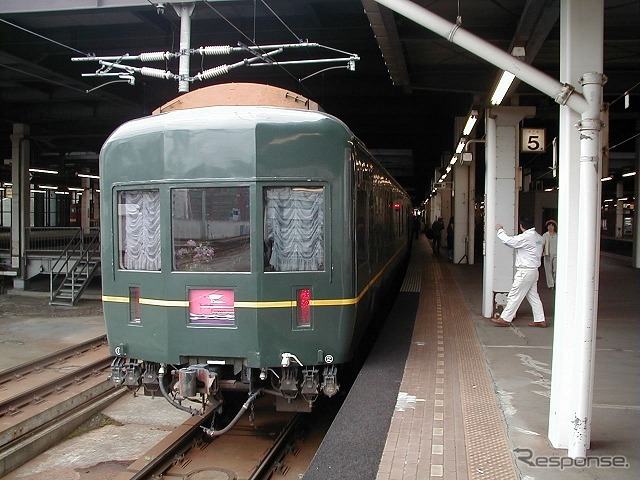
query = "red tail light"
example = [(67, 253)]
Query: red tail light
[(303, 318), (134, 304)]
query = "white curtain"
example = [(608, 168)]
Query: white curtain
[(294, 228), (140, 229)]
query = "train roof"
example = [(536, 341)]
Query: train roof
[(227, 117), (247, 94)]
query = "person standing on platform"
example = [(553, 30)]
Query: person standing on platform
[(437, 228), (417, 224), (550, 252), (528, 247), (450, 240)]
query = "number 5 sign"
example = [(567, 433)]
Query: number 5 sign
[(533, 140)]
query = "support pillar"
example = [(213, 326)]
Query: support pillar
[(635, 259), (501, 204), (460, 213), (184, 11), (581, 50), (20, 202), (471, 213), (446, 206), (85, 205)]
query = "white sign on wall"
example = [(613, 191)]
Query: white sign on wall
[(533, 140)]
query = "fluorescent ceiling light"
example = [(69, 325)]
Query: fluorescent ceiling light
[(87, 175), (502, 88), (606, 179), (43, 170), (471, 122), (629, 174), (461, 145)]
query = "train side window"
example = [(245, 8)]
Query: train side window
[(294, 229), (139, 230), (361, 224), (211, 229)]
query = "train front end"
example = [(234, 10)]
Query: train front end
[(226, 257)]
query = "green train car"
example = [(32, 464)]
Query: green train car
[(244, 248)]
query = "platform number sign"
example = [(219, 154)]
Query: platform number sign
[(533, 140)]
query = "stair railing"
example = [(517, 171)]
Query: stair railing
[(73, 255)]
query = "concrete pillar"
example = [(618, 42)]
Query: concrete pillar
[(636, 211), (446, 205), (471, 214), (20, 202), (460, 213), (85, 205), (501, 205)]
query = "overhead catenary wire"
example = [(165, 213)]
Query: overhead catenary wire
[(111, 62), (624, 141), (297, 80), (280, 20), (43, 37), (39, 77)]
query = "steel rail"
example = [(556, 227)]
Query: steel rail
[(172, 448), (48, 434), (38, 364), (11, 405), (277, 451)]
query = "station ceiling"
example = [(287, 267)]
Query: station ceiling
[(408, 86)]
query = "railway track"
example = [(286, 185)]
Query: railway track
[(43, 401), (255, 449)]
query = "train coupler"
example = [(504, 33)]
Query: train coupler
[(196, 379)]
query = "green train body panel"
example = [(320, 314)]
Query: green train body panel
[(252, 147)]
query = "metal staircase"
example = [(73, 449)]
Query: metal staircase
[(74, 269)]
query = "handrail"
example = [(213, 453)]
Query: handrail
[(71, 257)]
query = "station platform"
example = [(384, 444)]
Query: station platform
[(471, 400), (444, 393)]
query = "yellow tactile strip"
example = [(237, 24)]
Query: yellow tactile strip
[(488, 453), (447, 423)]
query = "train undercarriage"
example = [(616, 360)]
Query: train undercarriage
[(200, 387)]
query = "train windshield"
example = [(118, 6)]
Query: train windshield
[(210, 228), (294, 229)]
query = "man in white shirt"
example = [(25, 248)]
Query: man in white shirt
[(528, 247)]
